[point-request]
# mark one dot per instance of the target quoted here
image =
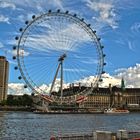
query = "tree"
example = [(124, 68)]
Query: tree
[(3, 102), (24, 100), (10, 99), (27, 100)]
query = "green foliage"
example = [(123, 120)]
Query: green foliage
[(24, 100), (3, 103), (10, 100)]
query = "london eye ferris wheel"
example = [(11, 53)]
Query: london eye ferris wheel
[(58, 49)]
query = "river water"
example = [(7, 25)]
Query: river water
[(30, 126)]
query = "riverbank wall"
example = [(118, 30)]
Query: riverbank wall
[(28, 108), (15, 108), (100, 135)]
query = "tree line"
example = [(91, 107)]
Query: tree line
[(24, 100)]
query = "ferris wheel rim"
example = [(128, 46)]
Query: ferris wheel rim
[(78, 20)]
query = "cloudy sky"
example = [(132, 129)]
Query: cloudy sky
[(117, 22)]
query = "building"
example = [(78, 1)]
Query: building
[(98, 99), (4, 73), (113, 97), (127, 97)]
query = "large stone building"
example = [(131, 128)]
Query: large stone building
[(98, 99), (4, 72), (113, 97)]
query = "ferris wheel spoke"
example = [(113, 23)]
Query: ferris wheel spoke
[(59, 39), (45, 40), (75, 70), (43, 72)]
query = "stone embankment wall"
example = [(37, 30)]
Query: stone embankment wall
[(100, 135)]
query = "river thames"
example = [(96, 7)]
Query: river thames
[(30, 126)]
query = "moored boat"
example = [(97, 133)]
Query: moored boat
[(115, 111)]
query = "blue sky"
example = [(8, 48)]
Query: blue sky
[(116, 22)]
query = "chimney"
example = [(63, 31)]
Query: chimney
[(97, 86), (69, 86), (91, 85), (79, 85), (110, 87), (72, 85)]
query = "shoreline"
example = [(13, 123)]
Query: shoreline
[(31, 109), (16, 108)]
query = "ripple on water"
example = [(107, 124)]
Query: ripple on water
[(29, 126)]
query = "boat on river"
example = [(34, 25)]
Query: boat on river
[(116, 111)]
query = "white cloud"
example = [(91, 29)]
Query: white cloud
[(17, 89), (22, 3), (131, 76), (108, 79), (41, 6), (4, 19), (105, 10), (65, 39), (120, 70), (43, 89), (86, 81), (4, 4), (21, 53)]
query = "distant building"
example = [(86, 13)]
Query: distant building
[(113, 96), (99, 98), (4, 73)]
